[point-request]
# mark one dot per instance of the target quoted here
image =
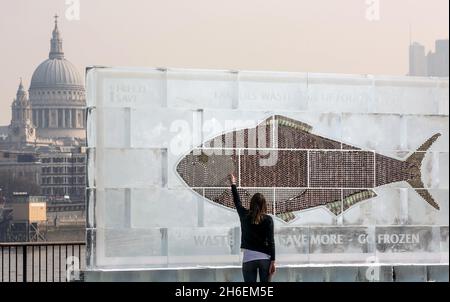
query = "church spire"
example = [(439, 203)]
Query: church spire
[(21, 85), (21, 93), (56, 51)]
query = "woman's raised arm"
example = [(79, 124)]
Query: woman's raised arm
[(236, 198)]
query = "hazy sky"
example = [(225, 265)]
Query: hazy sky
[(286, 35)]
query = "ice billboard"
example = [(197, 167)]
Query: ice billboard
[(355, 168)]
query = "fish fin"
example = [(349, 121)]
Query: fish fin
[(334, 207), (286, 217), (285, 206), (349, 147), (297, 194), (288, 122), (415, 163), (356, 197)]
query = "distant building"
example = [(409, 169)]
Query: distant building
[(19, 171), (57, 94), (54, 108), (48, 126), (4, 130), (417, 60), (437, 61), (47, 172), (63, 173), (21, 129), (434, 64)]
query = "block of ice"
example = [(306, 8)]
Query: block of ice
[(197, 275), (228, 275), (113, 208), (421, 128), (307, 274), (91, 248), (389, 207), (341, 274), (92, 86), (273, 91), (410, 273), (444, 239), (201, 89), (437, 273), (421, 213), (443, 97), (443, 170), (292, 241), (156, 207), (133, 89), (174, 180), (91, 207), (133, 242), (404, 95), (113, 128), (431, 170), (203, 241), (339, 240), (345, 93), (175, 129), (132, 168), (340, 244), (374, 132), (131, 247), (91, 164), (203, 246), (218, 216), (143, 122), (406, 239), (91, 127)]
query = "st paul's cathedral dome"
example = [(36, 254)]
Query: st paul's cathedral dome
[(57, 94)]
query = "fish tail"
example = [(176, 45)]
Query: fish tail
[(414, 165)]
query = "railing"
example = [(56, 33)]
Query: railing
[(41, 261)]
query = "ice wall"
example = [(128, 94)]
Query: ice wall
[(142, 122)]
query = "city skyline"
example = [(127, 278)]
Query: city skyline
[(278, 39), (424, 63)]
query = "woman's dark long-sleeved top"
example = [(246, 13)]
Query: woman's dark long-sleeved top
[(256, 237)]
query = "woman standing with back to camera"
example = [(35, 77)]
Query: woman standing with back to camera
[(257, 238)]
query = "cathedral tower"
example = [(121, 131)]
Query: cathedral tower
[(21, 129)]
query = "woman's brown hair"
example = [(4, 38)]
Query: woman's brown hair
[(258, 207)]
